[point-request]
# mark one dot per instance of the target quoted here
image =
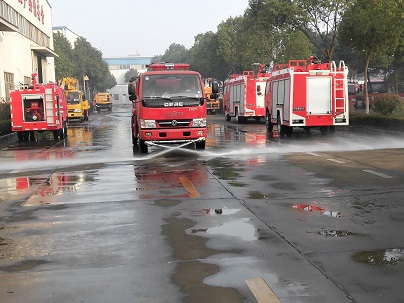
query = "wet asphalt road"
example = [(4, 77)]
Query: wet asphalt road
[(319, 219)]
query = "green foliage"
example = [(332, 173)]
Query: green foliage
[(387, 104), (130, 73), (5, 119), (64, 64), (205, 59), (376, 120), (176, 53), (83, 60)]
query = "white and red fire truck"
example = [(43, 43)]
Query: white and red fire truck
[(307, 94), (38, 107), (243, 95), (169, 106)]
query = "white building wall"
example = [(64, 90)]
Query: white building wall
[(69, 35), (17, 56)]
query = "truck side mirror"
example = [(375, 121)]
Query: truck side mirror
[(132, 97), (131, 88), (215, 87)]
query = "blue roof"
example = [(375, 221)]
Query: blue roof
[(128, 60)]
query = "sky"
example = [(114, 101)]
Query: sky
[(119, 28)]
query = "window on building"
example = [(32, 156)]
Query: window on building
[(8, 83), (116, 97)]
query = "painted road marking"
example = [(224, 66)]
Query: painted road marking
[(336, 161), (314, 154), (262, 292), (193, 193), (378, 174)]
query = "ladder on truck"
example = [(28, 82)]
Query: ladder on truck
[(50, 111), (340, 89)]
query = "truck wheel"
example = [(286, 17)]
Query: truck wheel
[(200, 145), (143, 148), (32, 136), (56, 134), (239, 119), (281, 129), (289, 131), (268, 123)]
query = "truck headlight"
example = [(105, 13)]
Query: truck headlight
[(200, 122), (147, 123), (77, 110)]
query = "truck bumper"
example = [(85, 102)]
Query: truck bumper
[(75, 116), (181, 135), (103, 106)]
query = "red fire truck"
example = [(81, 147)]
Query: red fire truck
[(38, 107), (169, 106), (307, 94), (243, 95)]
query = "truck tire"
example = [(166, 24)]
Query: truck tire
[(56, 134), (239, 119), (200, 145), (268, 122), (281, 128), (143, 148)]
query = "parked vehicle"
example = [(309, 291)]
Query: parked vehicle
[(37, 108), (307, 94), (243, 95), (79, 107), (169, 107), (103, 101)]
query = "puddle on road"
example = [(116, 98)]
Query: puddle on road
[(216, 211), (190, 272), (235, 269), (241, 228), (380, 257), (315, 208), (258, 195), (225, 170)]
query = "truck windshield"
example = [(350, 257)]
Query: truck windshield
[(171, 86), (351, 89), (73, 98)]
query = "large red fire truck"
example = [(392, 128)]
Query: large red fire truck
[(243, 95), (307, 94), (169, 106), (38, 107)]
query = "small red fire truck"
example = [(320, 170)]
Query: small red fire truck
[(38, 107), (169, 106), (243, 95), (307, 94)]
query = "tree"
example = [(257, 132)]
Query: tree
[(89, 63), (321, 17), (374, 28), (205, 59), (130, 73), (176, 53), (64, 64)]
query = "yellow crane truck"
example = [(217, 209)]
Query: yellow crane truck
[(78, 106)]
